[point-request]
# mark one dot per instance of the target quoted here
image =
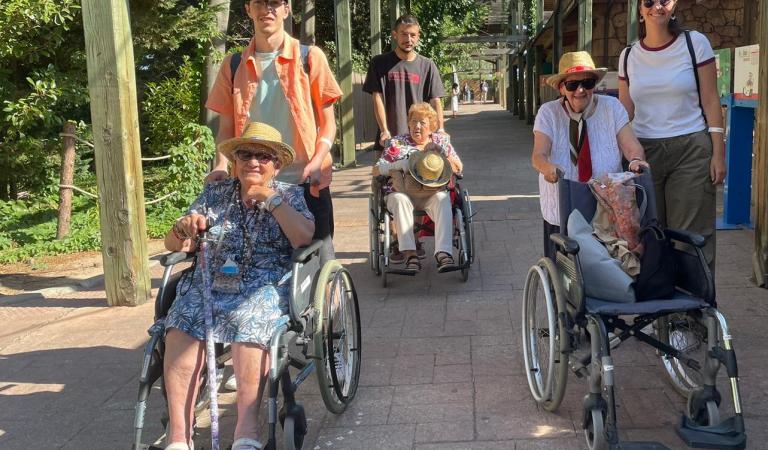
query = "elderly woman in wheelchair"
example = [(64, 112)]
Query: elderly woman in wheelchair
[(256, 289), (577, 294), (419, 166)]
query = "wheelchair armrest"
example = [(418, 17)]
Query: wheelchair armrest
[(568, 245), (303, 254), (686, 237), (174, 258)]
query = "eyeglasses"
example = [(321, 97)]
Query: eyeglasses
[(650, 3), (271, 4), (260, 156), (587, 84)]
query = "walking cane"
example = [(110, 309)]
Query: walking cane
[(210, 349)]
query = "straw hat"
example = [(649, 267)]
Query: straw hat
[(262, 135), (575, 62), (429, 168)]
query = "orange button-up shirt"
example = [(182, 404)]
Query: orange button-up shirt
[(305, 95)]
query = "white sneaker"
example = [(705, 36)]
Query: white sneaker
[(231, 384)]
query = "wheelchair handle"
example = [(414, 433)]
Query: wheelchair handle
[(171, 259)]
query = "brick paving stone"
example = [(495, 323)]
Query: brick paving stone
[(383, 437), (444, 431), (431, 413), (432, 393), (455, 373)]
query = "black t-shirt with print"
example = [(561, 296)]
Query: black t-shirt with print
[(402, 84)]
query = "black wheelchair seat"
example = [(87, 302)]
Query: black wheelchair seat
[(681, 302)]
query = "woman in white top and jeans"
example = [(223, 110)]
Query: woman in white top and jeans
[(680, 127), (582, 134)]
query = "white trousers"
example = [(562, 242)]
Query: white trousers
[(437, 207)]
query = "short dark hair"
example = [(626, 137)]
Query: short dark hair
[(407, 19)]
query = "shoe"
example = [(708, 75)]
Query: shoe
[(420, 251), (180, 446), (247, 444), (231, 384), (444, 261), (395, 255), (412, 264)]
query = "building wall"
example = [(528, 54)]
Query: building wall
[(722, 21)]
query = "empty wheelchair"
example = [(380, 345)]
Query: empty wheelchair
[(322, 333), (380, 230), (565, 330)]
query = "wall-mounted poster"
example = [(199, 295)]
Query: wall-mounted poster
[(724, 71), (745, 72)]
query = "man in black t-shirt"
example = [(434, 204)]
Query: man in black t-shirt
[(400, 78)]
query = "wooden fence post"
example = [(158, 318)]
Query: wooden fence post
[(114, 112), (308, 23), (344, 61), (66, 178)]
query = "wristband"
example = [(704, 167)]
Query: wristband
[(717, 130), (636, 159), (326, 141)]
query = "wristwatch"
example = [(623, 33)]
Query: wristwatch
[(273, 202)]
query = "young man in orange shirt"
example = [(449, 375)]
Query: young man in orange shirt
[(273, 84)]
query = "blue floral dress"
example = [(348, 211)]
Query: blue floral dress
[(259, 308)]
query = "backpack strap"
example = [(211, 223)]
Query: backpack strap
[(305, 57), (234, 62), (626, 63), (689, 43)]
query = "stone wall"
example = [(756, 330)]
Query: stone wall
[(722, 21)]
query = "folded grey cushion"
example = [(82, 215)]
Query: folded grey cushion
[(603, 277)]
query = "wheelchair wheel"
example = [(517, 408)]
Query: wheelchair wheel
[(687, 334), (337, 337), (291, 440), (595, 431), (464, 255), (373, 234), (466, 209), (545, 366)]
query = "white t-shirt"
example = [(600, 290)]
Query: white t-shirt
[(663, 88), (602, 127)]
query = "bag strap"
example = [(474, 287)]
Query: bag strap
[(689, 43), (626, 63), (234, 62), (642, 205)]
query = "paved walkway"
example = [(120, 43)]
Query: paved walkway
[(442, 366)]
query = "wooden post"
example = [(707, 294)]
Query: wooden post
[(213, 62), (760, 179), (308, 23), (538, 68), (632, 21), (344, 58), (530, 61), (375, 6), (394, 13), (557, 45), (112, 88), (512, 105), (66, 178), (585, 25), (288, 22)]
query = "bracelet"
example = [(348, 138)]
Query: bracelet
[(326, 141), (636, 159), (178, 232), (717, 130)]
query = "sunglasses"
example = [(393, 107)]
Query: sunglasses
[(261, 157), (587, 84), (650, 3)]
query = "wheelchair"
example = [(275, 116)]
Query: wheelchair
[(322, 333), (565, 330), (380, 237)]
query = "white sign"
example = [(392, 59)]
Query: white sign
[(746, 69)]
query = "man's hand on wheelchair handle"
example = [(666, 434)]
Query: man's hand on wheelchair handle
[(216, 175), (312, 172)]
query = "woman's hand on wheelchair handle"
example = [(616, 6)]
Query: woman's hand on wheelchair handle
[(551, 173), (638, 165)]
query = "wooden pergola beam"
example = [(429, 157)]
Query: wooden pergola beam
[(631, 21), (484, 39), (114, 112), (585, 25)]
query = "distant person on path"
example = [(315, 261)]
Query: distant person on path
[(467, 93), (455, 92), (406, 157), (484, 90), (400, 78), (581, 133), (290, 87), (677, 118), (267, 220)]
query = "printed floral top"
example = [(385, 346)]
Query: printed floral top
[(251, 314), (402, 145)]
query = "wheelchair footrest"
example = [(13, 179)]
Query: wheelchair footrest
[(639, 445), (729, 434), (401, 272)]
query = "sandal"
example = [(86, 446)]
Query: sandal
[(445, 262), (413, 264), (395, 255)]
